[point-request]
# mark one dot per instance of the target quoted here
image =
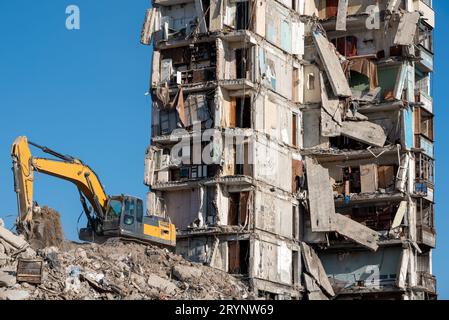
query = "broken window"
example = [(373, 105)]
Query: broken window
[(425, 169), (424, 123), (425, 37), (238, 258), (193, 172), (168, 121), (347, 45), (196, 110), (425, 213)]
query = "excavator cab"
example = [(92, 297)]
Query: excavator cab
[(125, 218)]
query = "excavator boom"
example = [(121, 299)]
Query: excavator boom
[(71, 169)]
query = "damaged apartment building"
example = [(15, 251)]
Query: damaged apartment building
[(292, 142)]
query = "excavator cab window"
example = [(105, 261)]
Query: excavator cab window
[(139, 212), (114, 210), (130, 212)]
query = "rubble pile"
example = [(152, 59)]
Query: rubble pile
[(114, 270)]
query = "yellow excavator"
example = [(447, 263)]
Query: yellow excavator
[(109, 216)]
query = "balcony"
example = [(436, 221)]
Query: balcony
[(425, 64), (425, 101), (428, 282), (425, 7), (426, 235), (425, 145)]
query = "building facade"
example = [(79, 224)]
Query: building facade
[(292, 142)]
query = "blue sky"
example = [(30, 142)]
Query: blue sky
[(83, 93)]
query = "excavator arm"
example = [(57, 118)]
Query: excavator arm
[(68, 168), (125, 218)]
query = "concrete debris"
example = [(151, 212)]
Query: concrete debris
[(322, 209), (331, 63), (315, 269), (115, 271), (14, 295), (407, 29), (7, 279), (364, 131), (12, 241), (341, 15)]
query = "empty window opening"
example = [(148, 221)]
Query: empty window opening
[(294, 5), (345, 143), (351, 180), (242, 160), (295, 127), (295, 267), (331, 8), (238, 209), (311, 81), (240, 116), (242, 64), (297, 176), (242, 15), (424, 123), (379, 217), (347, 46), (295, 223), (187, 65), (238, 257), (369, 178)]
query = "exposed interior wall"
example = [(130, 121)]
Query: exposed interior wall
[(312, 130), (183, 207), (273, 213), (372, 269), (271, 158), (276, 69), (312, 87), (272, 261)]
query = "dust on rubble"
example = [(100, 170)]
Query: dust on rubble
[(121, 271), (46, 229)]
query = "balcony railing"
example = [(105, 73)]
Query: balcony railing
[(427, 281), (425, 144), (425, 100), (426, 62)]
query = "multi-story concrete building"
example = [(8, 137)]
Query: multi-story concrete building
[(292, 142)]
